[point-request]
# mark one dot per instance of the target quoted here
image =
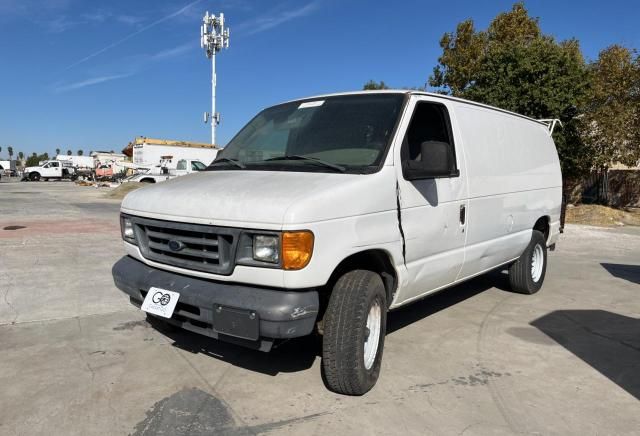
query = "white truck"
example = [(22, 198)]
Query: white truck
[(323, 214), (51, 169), (149, 151), (163, 173)]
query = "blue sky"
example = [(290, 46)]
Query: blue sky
[(94, 74)]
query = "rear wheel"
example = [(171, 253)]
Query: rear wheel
[(34, 177), (354, 330), (526, 275)]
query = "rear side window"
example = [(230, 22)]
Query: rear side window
[(430, 122), (182, 165)]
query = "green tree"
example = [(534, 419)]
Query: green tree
[(20, 155), (80, 152), (57, 151), (514, 66), (35, 159), (10, 151), (611, 120), (372, 85), (69, 152)]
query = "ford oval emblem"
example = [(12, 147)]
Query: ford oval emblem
[(176, 245)]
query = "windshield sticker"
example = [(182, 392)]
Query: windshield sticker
[(307, 104)]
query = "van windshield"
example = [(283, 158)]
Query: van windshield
[(348, 133)]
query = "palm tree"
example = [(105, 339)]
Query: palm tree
[(57, 151), (20, 155), (10, 151), (69, 153), (80, 152)]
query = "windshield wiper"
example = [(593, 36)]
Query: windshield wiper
[(310, 159), (235, 162)]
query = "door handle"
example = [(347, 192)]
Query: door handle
[(463, 214)]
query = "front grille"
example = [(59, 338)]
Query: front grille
[(191, 246)]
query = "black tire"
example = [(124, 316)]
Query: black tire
[(147, 180), (521, 276), (345, 333), (34, 177)]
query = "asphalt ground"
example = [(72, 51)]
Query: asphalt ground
[(77, 359)]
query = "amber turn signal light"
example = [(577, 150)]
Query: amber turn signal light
[(297, 248)]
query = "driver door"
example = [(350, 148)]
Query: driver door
[(50, 169)]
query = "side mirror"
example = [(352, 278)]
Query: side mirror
[(435, 160)]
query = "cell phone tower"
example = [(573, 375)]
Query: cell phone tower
[(213, 38)]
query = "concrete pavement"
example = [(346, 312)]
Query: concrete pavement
[(76, 358)]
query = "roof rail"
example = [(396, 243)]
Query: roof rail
[(551, 124)]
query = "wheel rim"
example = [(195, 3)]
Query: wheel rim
[(537, 262), (374, 320)]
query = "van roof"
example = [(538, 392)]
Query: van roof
[(430, 94)]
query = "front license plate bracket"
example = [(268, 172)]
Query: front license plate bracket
[(239, 323)]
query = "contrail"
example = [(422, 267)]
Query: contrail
[(131, 35)]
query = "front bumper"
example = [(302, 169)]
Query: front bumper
[(282, 314)]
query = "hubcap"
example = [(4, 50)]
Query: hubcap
[(374, 320), (537, 262)]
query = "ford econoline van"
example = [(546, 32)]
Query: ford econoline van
[(323, 214)]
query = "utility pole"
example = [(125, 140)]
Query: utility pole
[(213, 38)]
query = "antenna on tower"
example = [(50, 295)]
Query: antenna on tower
[(213, 38)]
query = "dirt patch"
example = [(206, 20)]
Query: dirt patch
[(602, 216), (14, 227), (57, 227), (195, 412), (121, 191)]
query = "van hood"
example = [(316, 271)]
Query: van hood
[(262, 199)]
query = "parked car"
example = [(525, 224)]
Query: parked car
[(104, 171), (323, 214), (51, 169), (162, 173)]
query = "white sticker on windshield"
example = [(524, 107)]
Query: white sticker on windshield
[(307, 104)]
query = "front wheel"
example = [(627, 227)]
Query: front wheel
[(355, 324), (527, 273)]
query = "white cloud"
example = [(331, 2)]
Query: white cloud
[(174, 51), (130, 20), (131, 35), (88, 82), (59, 24), (275, 18)]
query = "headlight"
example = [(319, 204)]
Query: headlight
[(128, 233), (266, 248)]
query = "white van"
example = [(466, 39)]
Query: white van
[(323, 214)]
